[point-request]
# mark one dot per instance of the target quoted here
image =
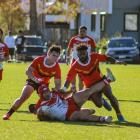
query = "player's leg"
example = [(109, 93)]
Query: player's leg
[(82, 96), (81, 85), (87, 115), (96, 98), (73, 83), (108, 93), (26, 93)]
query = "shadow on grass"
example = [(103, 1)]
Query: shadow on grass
[(19, 111), (82, 123), (131, 124), (135, 101)]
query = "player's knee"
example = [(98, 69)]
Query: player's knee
[(97, 103)]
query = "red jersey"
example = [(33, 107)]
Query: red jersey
[(45, 71), (4, 52), (89, 72), (76, 40)]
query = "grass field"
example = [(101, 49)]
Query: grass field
[(25, 126)]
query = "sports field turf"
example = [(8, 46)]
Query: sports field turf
[(25, 126)]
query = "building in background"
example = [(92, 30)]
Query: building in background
[(102, 18)]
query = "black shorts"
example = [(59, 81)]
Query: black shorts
[(11, 51), (19, 49), (33, 84)]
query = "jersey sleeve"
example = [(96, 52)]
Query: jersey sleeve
[(58, 72), (101, 57), (35, 62)]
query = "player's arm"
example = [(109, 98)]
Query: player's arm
[(70, 76), (70, 46), (29, 73), (106, 58), (57, 77), (57, 83), (114, 61), (65, 86)]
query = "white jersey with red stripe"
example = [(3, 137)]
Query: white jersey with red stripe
[(76, 41), (56, 107), (3, 53)]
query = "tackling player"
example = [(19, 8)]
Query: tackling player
[(41, 70), (81, 38), (87, 67)]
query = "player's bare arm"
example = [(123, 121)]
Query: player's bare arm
[(57, 84), (29, 73), (114, 61)]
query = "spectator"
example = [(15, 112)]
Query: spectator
[(10, 41), (19, 45)]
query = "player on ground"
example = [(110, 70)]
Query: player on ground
[(55, 107), (81, 38), (87, 67), (4, 53), (41, 70)]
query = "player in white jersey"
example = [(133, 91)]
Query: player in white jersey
[(4, 53), (54, 106)]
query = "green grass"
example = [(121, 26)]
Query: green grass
[(25, 126)]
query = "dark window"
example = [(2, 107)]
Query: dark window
[(131, 22), (93, 22)]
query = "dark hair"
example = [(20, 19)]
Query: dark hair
[(82, 47), (83, 27), (55, 49), (43, 117), (1, 31)]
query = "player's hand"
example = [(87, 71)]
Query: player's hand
[(73, 89), (62, 90)]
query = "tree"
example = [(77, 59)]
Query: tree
[(11, 16), (33, 17), (69, 8)]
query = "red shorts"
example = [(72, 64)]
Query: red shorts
[(72, 107), (1, 74)]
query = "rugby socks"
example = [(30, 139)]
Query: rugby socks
[(11, 111), (8, 114)]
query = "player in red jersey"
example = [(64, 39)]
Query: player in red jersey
[(81, 38), (4, 53), (56, 107), (87, 67), (41, 70)]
